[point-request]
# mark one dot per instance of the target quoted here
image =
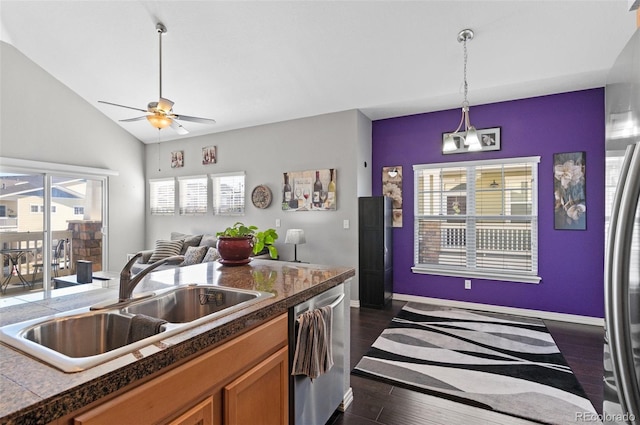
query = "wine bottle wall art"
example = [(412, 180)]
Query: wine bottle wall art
[(312, 190)]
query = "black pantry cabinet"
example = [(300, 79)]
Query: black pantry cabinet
[(375, 251)]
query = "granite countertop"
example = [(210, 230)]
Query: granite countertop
[(33, 392)]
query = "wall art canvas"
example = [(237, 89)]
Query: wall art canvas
[(177, 159), (569, 180), (392, 187), (209, 155), (313, 190), (490, 140)]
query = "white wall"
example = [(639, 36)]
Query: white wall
[(43, 120), (340, 140)]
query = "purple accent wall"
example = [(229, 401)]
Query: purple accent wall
[(571, 262)]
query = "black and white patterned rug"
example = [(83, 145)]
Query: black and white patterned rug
[(505, 363)]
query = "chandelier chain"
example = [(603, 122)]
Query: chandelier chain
[(466, 86)]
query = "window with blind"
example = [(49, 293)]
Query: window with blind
[(162, 196), (477, 219), (192, 195), (228, 193)]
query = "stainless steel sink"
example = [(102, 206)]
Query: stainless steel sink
[(80, 339), (189, 303), (82, 335)]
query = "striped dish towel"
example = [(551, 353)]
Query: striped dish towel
[(313, 355)]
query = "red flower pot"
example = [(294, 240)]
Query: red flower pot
[(235, 251)]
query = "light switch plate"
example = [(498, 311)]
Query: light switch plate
[(345, 224), (467, 284)]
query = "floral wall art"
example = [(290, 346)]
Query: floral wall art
[(570, 191), (392, 187)]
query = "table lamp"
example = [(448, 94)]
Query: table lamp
[(296, 237)]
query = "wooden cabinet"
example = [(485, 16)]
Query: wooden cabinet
[(259, 390), (249, 373), (375, 251)]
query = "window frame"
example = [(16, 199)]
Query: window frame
[(469, 270), (215, 191), (184, 199), (169, 181)]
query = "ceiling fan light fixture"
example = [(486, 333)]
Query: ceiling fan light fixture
[(159, 121)]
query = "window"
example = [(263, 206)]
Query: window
[(34, 208), (477, 219), (193, 195), (228, 193), (162, 197), (78, 210)]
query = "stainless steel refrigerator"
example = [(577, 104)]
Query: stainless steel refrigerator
[(622, 262)]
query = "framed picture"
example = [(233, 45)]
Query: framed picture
[(177, 159), (209, 155), (313, 190), (569, 190), (392, 187), (489, 140)]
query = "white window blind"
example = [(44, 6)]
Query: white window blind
[(162, 196), (477, 219), (228, 193), (193, 195)]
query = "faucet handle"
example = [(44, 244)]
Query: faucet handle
[(126, 270)]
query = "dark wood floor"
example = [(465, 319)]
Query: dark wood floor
[(380, 403)]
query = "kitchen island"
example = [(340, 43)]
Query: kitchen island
[(36, 393)]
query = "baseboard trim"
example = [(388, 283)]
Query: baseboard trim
[(346, 400), (355, 303), (562, 317)]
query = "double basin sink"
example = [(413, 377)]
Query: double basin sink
[(83, 338)]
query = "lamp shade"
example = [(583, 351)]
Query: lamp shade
[(295, 236), (159, 121)]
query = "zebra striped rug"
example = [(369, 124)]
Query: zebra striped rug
[(499, 362)]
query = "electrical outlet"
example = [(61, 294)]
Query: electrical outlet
[(467, 284), (345, 224), (277, 222)]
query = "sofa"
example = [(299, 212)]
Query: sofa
[(195, 249)]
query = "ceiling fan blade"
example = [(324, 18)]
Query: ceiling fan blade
[(194, 119), (178, 127), (165, 104), (122, 106), (134, 119)]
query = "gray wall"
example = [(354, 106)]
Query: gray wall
[(340, 140), (43, 120)]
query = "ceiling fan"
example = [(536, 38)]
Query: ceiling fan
[(160, 114)]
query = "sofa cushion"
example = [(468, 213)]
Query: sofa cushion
[(209, 241), (166, 249), (190, 241), (194, 255), (212, 255)]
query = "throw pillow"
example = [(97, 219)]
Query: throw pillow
[(212, 255), (190, 241), (209, 240), (166, 249), (194, 255)]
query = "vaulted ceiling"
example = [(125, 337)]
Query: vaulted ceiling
[(246, 63)]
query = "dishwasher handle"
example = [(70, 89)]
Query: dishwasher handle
[(333, 305)]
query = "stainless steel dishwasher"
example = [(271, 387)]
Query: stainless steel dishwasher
[(313, 403)]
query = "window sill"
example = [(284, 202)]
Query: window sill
[(505, 277)]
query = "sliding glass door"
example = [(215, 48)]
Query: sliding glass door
[(49, 222)]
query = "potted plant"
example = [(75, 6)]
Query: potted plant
[(236, 243)]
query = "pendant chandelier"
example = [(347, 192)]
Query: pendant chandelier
[(469, 135)]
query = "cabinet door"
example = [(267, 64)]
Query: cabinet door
[(200, 414), (260, 395)]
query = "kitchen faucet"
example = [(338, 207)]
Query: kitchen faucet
[(127, 284)]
